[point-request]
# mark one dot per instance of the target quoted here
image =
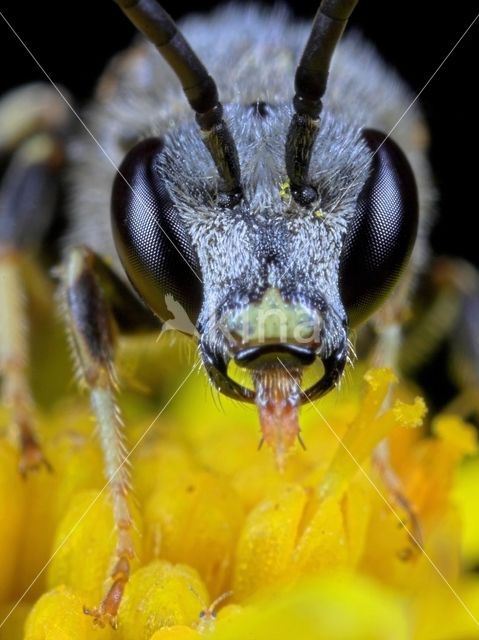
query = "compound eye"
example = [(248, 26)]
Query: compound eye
[(381, 235), (153, 244)]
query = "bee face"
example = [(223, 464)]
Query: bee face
[(268, 278)]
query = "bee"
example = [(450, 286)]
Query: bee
[(247, 188)]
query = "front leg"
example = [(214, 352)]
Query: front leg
[(87, 282), (388, 323), (29, 190), (447, 311), (14, 362)]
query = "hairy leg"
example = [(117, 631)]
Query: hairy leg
[(388, 324), (31, 126), (93, 298)]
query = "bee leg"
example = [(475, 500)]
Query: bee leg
[(393, 483), (15, 390), (382, 462), (388, 323), (449, 309), (28, 193), (91, 296), (29, 110), (451, 316), (464, 345)]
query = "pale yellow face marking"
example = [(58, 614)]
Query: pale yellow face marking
[(273, 319)]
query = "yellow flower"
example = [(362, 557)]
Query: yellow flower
[(324, 550)]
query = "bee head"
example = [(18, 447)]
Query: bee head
[(274, 230)]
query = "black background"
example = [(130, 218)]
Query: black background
[(73, 41)]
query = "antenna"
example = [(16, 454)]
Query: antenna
[(198, 86), (310, 85)]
